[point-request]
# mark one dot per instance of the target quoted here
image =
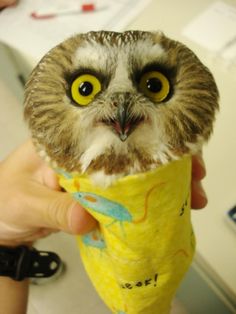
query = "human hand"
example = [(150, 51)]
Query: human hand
[(199, 198), (31, 202), (7, 3)]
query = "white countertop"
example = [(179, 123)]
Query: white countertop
[(216, 247)]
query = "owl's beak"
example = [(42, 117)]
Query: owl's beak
[(122, 126), (125, 123)]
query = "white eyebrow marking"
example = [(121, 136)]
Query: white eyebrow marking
[(91, 54), (145, 51)]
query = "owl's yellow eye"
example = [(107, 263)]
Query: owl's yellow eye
[(84, 88), (155, 85)]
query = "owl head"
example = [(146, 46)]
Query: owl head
[(119, 103)]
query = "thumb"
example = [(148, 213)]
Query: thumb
[(58, 210)]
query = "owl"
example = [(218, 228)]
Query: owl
[(118, 115), (112, 104)]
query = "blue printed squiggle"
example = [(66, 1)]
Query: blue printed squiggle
[(94, 239), (103, 206)]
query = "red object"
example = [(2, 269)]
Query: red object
[(88, 7), (34, 15)]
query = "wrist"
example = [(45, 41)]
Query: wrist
[(13, 295)]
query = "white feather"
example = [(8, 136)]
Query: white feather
[(91, 54), (145, 52), (97, 141), (103, 180)]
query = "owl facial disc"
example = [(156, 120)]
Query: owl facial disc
[(124, 103)]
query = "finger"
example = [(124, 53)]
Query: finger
[(13, 234), (198, 167), (49, 178), (6, 3), (35, 204), (27, 158), (39, 234), (36, 166), (199, 198), (58, 210)]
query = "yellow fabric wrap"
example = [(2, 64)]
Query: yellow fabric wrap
[(144, 243)]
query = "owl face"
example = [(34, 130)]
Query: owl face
[(119, 103)]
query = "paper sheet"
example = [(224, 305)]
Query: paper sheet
[(35, 37), (215, 29)]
